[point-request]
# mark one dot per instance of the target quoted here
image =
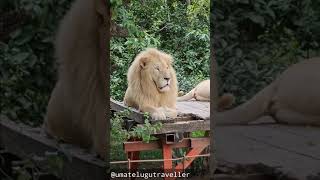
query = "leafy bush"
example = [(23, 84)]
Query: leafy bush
[(27, 65), (119, 134), (177, 28), (256, 40)]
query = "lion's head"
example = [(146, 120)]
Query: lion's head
[(155, 70), (152, 80)]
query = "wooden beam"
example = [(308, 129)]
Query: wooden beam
[(24, 141), (279, 147), (256, 176), (214, 88), (185, 126), (139, 117), (154, 145), (134, 115), (187, 162), (103, 14), (187, 111)]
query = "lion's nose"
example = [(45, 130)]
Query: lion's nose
[(167, 79)]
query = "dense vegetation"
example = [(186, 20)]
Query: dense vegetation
[(26, 58), (176, 27), (256, 40), (28, 67)]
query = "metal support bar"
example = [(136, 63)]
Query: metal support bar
[(196, 145)]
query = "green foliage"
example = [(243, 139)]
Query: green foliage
[(27, 57), (31, 168), (119, 134), (199, 133), (55, 164), (144, 132), (26, 60), (255, 40), (179, 29)]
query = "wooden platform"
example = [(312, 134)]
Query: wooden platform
[(27, 142), (192, 116), (290, 150)]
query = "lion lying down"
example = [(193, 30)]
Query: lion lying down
[(152, 84), (293, 98), (202, 93), (153, 88)]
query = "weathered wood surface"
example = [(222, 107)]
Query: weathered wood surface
[(197, 108), (25, 141), (294, 151), (184, 126), (200, 109), (134, 115), (192, 116)]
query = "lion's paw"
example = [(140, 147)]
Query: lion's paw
[(170, 113), (158, 115)]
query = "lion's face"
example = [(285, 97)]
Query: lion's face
[(161, 76), (156, 67)]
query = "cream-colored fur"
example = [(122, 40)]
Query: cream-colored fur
[(293, 98), (76, 112), (152, 84), (202, 93)]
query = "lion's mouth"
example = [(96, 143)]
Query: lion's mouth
[(164, 86)]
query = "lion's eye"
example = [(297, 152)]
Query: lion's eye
[(157, 68)]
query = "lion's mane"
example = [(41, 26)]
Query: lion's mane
[(141, 90)]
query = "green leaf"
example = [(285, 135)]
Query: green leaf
[(23, 40), (256, 18), (24, 175), (16, 33), (20, 57)]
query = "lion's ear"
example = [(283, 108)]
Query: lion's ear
[(143, 62)]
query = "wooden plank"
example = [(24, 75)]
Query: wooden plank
[(200, 109), (231, 177), (298, 130), (134, 115), (241, 177), (181, 118), (139, 117), (269, 145), (23, 141), (285, 138), (185, 126), (154, 145)]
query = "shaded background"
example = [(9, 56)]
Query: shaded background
[(27, 65), (256, 40)]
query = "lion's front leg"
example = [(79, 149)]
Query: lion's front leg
[(156, 113), (169, 112)]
